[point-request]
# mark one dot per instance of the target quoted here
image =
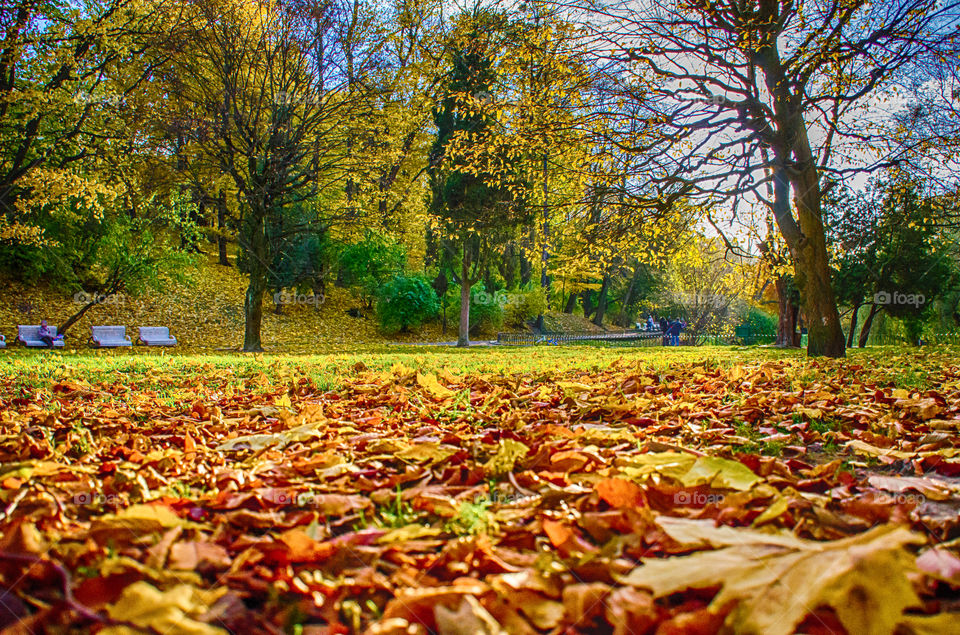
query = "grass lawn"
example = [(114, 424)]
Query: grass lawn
[(395, 489)]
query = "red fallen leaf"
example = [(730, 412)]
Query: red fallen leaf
[(584, 603), (97, 592), (200, 410), (940, 563), (294, 545), (198, 555), (618, 492), (557, 532), (631, 611), (569, 461), (700, 622), (11, 483), (940, 465), (565, 539)]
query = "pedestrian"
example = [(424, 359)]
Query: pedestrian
[(664, 327)]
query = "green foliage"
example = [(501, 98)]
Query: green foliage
[(486, 314), (524, 305), (406, 302), (101, 254), (760, 321), (369, 263)]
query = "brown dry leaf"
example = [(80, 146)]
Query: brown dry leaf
[(172, 611), (777, 580), (470, 618), (618, 492)]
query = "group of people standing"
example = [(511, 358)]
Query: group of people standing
[(670, 329)]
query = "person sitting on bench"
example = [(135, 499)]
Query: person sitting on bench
[(47, 334)]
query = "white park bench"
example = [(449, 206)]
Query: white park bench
[(109, 336), (156, 336), (29, 335)]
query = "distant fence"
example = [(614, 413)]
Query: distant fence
[(655, 338), (932, 339), (633, 338)]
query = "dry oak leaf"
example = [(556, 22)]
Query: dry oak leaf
[(428, 382), (777, 579), (170, 611), (281, 439)]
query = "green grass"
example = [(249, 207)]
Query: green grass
[(29, 370)]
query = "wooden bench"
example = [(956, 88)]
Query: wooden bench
[(109, 336), (29, 335), (156, 336)]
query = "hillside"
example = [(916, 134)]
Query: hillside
[(208, 315)]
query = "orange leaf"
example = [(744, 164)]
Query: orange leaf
[(618, 492)]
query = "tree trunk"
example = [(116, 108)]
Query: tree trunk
[(865, 331), (624, 318), (73, 319), (463, 336), (788, 313), (585, 302), (853, 323), (257, 269), (602, 301), (253, 314), (571, 303), (221, 227), (807, 244)]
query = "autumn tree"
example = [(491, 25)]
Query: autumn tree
[(266, 83), (64, 70), (892, 253), (476, 190), (717, 83)]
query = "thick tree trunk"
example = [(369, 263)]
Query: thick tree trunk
[(463, 336), (853, 323), (825, 334), (253, 313), (586, 303), (787, 335), (257, 270), (571, 303), (807, 243), (602, 301), (867, 324)]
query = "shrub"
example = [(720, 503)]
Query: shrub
[(486, 315), (523, 305), (405, 302), (366, 265), (759, 320)]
